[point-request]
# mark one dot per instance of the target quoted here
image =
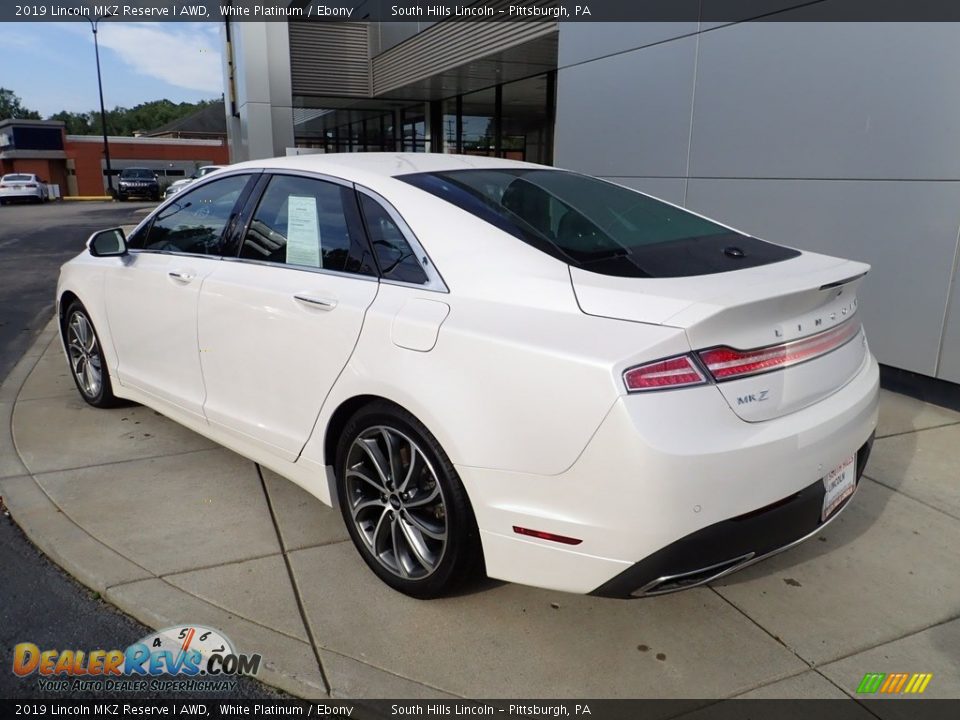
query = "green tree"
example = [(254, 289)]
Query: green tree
[(143, 117), (76, 123), (11, 107)]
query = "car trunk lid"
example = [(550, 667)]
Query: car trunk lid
[(769, 307)]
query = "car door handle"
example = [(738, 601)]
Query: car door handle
[(317, 302), (182, 276)]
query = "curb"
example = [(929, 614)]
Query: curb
[(102, 570), (84, 198)]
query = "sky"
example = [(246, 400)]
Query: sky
[(51, 66)]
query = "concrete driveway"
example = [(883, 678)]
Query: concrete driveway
[(174, 529)]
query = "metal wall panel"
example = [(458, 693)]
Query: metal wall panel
[(828, 100), (627, 115), (584, 41), (330, 58), (949, 368)]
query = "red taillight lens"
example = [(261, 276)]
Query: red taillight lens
[(726, 363), (2, 186), (32, 186), (679, 371)]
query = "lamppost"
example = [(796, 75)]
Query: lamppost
[(94, 21)]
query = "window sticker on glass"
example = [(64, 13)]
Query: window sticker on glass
[(303, 231)]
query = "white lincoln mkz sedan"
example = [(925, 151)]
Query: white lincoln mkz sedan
[(491, 366)]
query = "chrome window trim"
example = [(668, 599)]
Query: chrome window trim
[(174, 253), (300, 268), (435, 282)]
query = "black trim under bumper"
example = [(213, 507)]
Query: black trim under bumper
[(728, 545)]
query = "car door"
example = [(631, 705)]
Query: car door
[(152, 296), (278, 323)]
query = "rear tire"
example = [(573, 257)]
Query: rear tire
[(88, 367), (404, 505)]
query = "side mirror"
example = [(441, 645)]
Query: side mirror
[(108, 243)]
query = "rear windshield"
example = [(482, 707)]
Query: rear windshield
[(138, 173), (596, 225), (17, 178)]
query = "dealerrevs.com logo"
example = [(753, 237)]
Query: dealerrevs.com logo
[(186, 657)]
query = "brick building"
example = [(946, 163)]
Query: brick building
[(76, 163)]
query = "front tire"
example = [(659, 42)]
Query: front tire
[(404, 505), (88, 367)]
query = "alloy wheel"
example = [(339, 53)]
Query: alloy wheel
[(396, 502), (84, 354)]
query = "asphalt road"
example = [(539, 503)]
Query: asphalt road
[(39, 603), (35, 240)]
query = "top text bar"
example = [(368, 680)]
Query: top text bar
[(700, 11)]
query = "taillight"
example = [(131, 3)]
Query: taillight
[(726, 363), (32, 186), (679, 371)]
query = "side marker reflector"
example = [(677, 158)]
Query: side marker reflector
[(546, 536)]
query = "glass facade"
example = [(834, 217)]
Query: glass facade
[(513, 120)]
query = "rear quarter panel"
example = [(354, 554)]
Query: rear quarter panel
[(505, 386)]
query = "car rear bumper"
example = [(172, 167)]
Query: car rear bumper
[(730, 545), (664, 476), (21, 194)]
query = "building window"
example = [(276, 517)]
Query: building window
[(513, 120)]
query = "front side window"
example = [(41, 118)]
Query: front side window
[(195, 222), (308, 223), (396, 258), (596, 225)]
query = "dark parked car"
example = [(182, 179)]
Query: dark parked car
[(142, 182)]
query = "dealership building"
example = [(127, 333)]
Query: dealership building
[(842, 138)]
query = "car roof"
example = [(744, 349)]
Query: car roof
[(361, 166)]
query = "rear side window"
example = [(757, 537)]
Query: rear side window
[(396, 258), (596, 225), (308, 223), (196, 221)]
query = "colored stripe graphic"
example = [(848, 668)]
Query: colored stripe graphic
[(871, 682), (894, 683)]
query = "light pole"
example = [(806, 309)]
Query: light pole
[(94, 21)]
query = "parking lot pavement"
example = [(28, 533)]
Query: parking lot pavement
[(173, 529), (35, 240)]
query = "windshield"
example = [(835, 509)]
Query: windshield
[(17, 178), (138, 174), (597, 225)]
